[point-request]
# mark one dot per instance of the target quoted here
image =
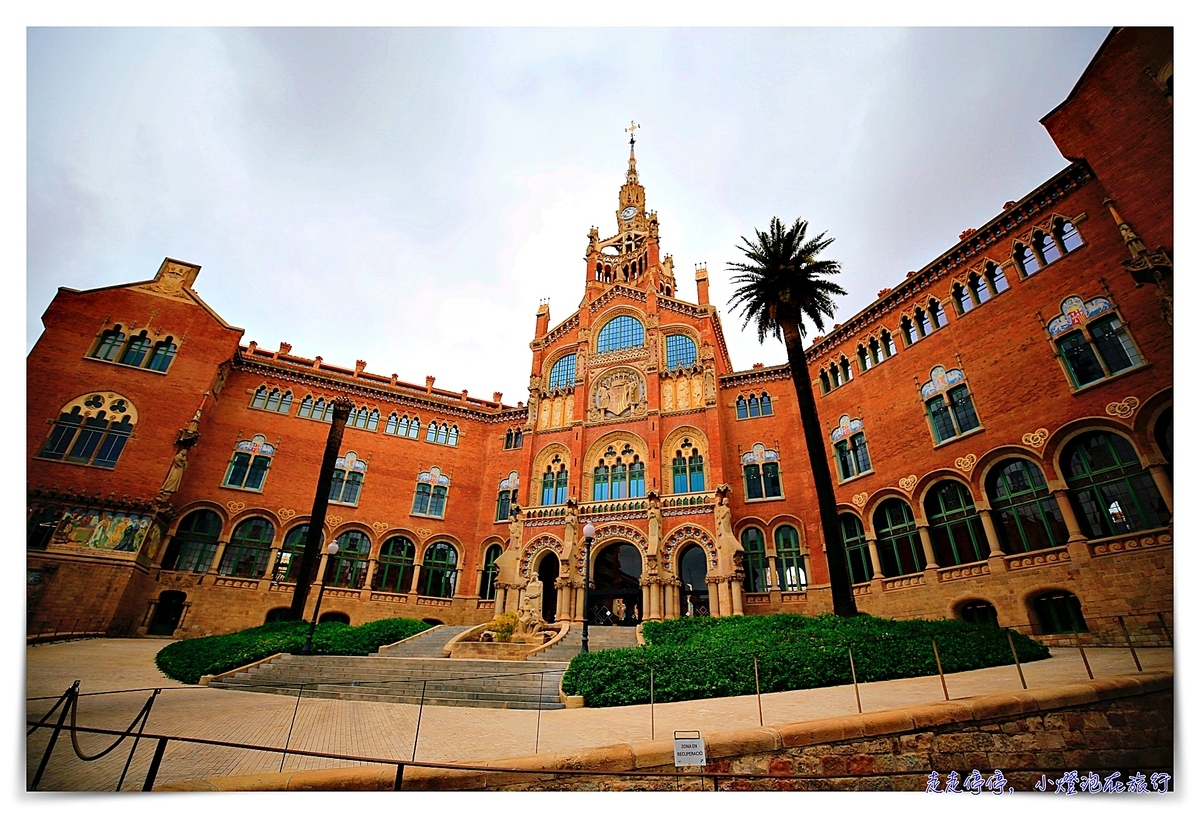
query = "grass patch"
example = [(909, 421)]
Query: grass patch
[(190, 659), (705, 657)]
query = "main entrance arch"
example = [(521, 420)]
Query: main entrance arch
[(693, 575), (167, 613), (617, 595), (547, 572)]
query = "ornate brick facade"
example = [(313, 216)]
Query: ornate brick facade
[(1000, 421)]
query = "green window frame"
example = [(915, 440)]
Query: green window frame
[(110, 344), (248, 550), (789, 561), (247, 471), (394, 573), (287, 567), (897, 539), (754, 564), (1059, 612), (136, 349), (439, 571), (195, 542), (954, 524), (952, 414), (1111, 493), (487, 579), (858, 551), (562, 374), (348, 567), (1026, 516), (681, 351)]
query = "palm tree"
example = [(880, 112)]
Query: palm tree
[(781, 283)]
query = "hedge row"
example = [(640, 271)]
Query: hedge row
[(698, 658), (188, 660)]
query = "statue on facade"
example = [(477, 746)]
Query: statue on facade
[(654, 522), (516, 525), (174, 475), (728, 547), (529, 617)]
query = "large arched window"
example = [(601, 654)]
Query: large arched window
[(248, 549), (1027, 518), (162, 355), (91, 430), (110, 344), (562, 374), (1110, 490), (954, 524), (394, 574), (287, 569), (896, 537), (858, 553), (681, 351), (439, 570), (487, 580), (348, 568), (622, 332), (195, 542), (554, 483), (789, 562), (618, 475), (136, 349), (687, 469), (755, 564)]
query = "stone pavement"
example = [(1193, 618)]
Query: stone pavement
[(445, 734)]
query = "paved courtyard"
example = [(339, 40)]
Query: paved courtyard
[(445, 734)]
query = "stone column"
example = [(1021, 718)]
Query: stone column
[(725, 605), (1159, 475), (372, 564), (656, 593), (498, 608), (989, 533), (876, 567), (927, 547), (735, 588), (272, 560), (216, 560), (580, 613), (1075, 534), (670, 600)]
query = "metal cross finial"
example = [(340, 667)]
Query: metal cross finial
[(632, 127)]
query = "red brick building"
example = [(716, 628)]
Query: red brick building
[(1000, 429)]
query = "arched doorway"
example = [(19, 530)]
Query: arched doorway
[(617, 596), (547, 572), (693, 574), (334, 616), (167, 613)]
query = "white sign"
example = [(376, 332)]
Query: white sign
[(689, 752)]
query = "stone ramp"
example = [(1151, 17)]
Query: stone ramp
[(522, 685), (601, 637), (426, 644)]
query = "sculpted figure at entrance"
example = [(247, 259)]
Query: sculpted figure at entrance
[(654, 522), (529, 621), (728, 547)]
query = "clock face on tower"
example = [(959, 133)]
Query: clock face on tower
[(628, 213)]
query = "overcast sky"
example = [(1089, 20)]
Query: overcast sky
[(407, 196)]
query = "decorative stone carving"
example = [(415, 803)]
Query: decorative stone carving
[(620, 393), (174, 475), (860, 500), (1037, 438), (965, 463), (654, 524), (234, 506), (379, 526), (1124, 409), (529, 619), (286, 514), (908, 483)]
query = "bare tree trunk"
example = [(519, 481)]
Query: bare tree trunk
[(814, 439), (312, 539)]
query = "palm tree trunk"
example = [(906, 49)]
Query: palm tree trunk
[(814, 439)]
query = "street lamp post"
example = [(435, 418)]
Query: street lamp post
[(312, 626), (589, 534)]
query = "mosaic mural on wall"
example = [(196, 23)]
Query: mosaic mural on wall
[(105, 530)]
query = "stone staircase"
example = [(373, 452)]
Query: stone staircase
[(521, 685), (426, 644), (600, 637)]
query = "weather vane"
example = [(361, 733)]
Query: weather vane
[(632, 127)]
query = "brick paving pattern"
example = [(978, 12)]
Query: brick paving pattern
[(446, 734)]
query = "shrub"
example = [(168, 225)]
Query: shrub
[(503, 626), (702, 657), (190, 659)]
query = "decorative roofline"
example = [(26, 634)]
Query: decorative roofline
[(964, 254), (753, 376), (339, 380)]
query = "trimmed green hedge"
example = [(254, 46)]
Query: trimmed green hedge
[(190, 659), (704, 657)]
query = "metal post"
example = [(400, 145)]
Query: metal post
[(758, 691), (1129, 642), (420, 711), (154, 764), (312, 626), (1013, 647), (1082, 655), (854, 677), (138, 737), (399, 777), (1162, 620), (71, 694), (587, 583), (288, 743), (651, 704), (941, 675), (537, 736)]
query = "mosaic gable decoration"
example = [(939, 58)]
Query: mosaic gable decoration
[(513, 481), (941, 379), (434, 477), (350, 462), (846, 427), (1074, 312), (759, 454), (259, 445)]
